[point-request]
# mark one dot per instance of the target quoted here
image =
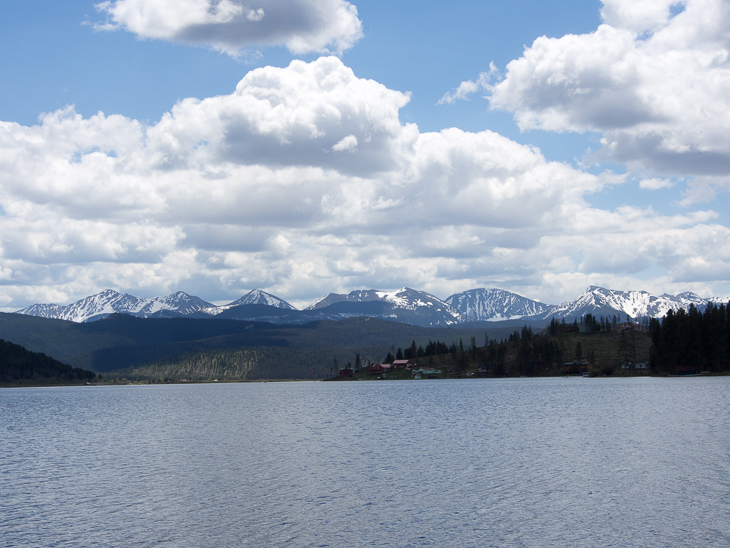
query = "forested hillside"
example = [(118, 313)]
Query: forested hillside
[(262, 363), (18, 366)]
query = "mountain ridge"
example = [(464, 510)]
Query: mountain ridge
[(405, 305)]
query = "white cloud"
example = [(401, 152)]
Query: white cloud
[(654, 80), (640, 16), (302, 26), (655, 183), (704, 189), (348, 143), (304, 181), (255, 15), (468, 87)]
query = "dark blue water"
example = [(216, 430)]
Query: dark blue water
[(523, 462)]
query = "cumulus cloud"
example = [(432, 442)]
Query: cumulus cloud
[(302, 181), (654, 80), (302, 26)]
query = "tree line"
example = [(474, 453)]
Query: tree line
[(522, 353), (691, 341)]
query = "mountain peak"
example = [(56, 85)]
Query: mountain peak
[(494, 305), (257, 296)]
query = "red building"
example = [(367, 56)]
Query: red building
[(375, 369)]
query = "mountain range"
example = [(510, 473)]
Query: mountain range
[(405, 305)]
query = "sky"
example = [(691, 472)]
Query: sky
[(312, 146)]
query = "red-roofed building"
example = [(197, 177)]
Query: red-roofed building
[(375, 369)]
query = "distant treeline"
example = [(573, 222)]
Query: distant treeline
[(18, 364), (688, 341), (522, 353), (595, 344)]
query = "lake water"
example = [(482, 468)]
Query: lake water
[(523, 462)]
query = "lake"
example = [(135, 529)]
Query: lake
[(516, 462)]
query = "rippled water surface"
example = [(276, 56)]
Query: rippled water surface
[(522, 462)]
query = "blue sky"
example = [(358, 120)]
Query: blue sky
[(626, 102), (420, 46)]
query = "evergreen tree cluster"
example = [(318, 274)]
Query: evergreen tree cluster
[(531, 355), (433, 348), (589, 323), (522, 353), (691, 340), (17, 363)]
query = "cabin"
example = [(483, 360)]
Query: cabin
[(375, 369), (347, 372), (401, 364)]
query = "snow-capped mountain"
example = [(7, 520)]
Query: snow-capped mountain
[(600, 301), (179, 302), (404, 298), (360, 296), (260, 297), (404, 305), (494, 305), (109, 302), (253, 297)]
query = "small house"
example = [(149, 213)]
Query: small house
[(375, 369), (401, 364)]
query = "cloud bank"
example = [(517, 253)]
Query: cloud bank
[(304, 180), (303, 26), (653, 80)]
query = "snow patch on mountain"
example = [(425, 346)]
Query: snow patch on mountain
[(358, 296), (404, 299), (495, 305)]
